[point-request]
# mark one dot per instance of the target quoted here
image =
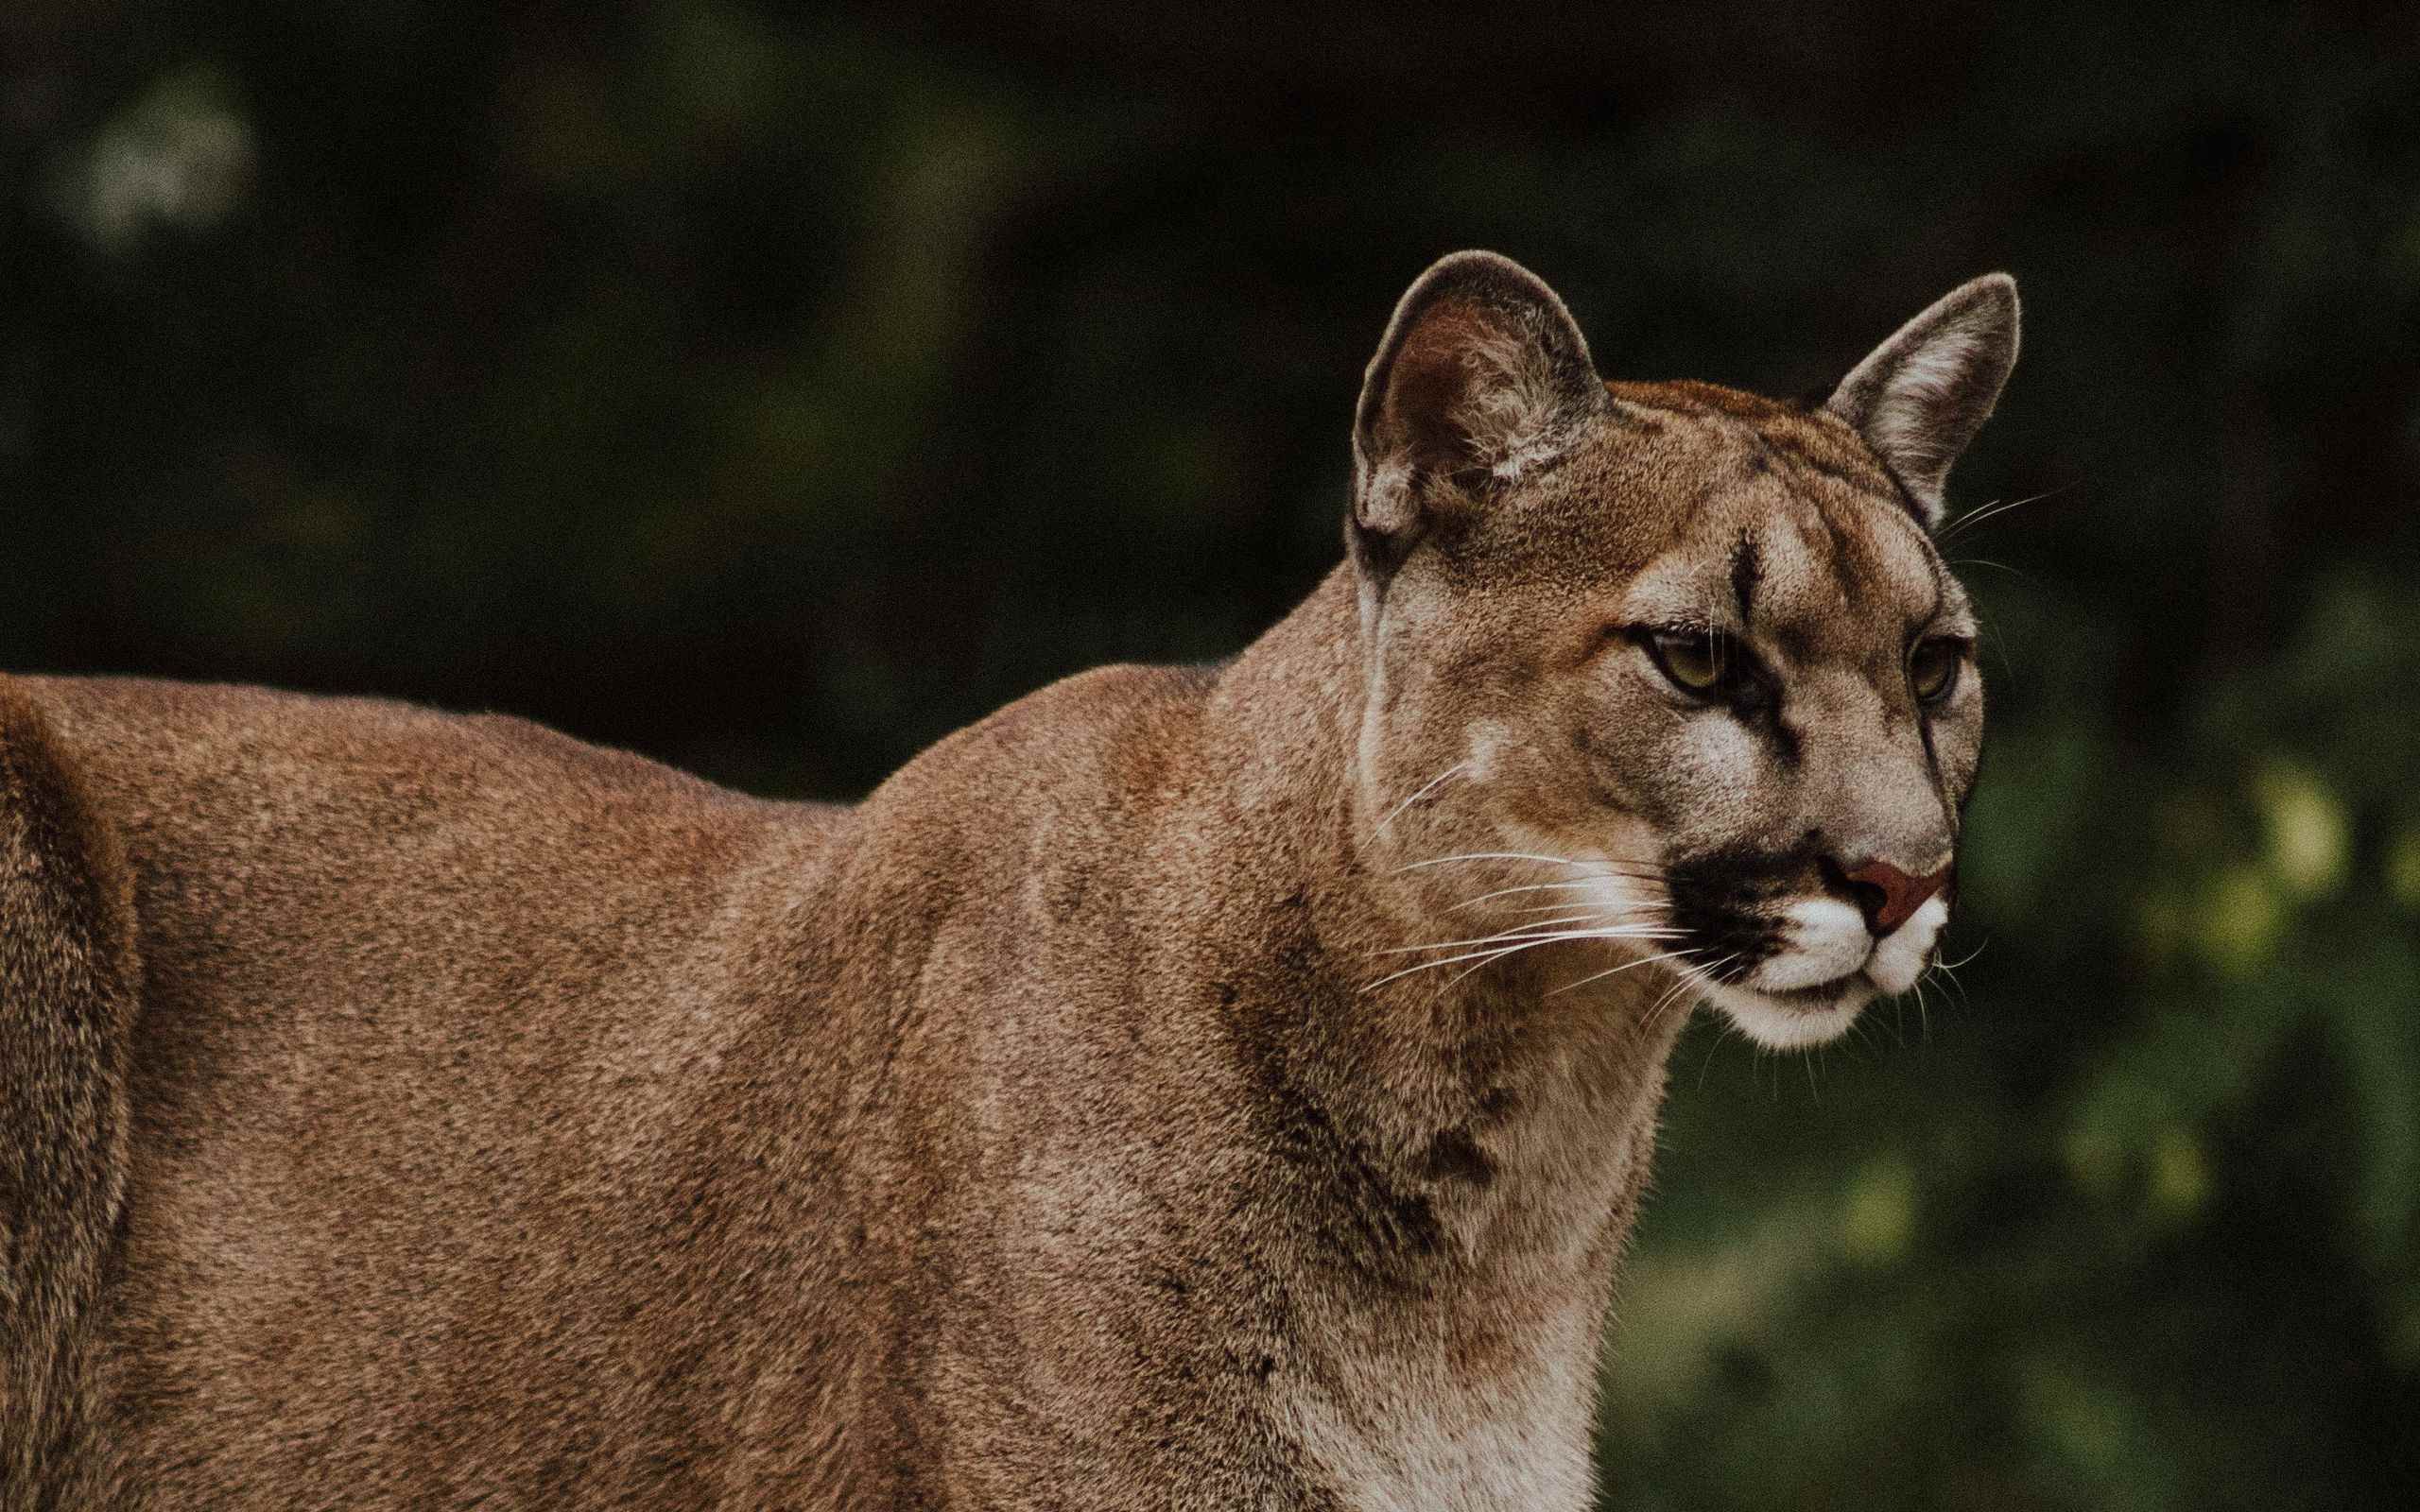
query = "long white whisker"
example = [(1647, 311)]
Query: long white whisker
[(1427, 788), (1646, 934), (1963, 962), (1615, 971), (1500, 856), (1544, 887), (1985, 562), (1683, 981), (1519, 943), (2019, 504), (1554, 908), (1512, 933), (1948, 976), (1998, 506), (1524, 942), (1697, 975)]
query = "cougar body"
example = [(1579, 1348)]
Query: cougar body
[(1146, 1097)]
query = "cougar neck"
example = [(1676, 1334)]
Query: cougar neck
[(1514, 1117)]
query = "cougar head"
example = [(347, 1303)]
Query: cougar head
[(1676, 669)]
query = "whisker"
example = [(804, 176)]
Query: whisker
[(1693, 975), (1985, 562), (1655, 1013), (1706, 1062), (1975, 517), (1514, 944), (1552, 908), (1615, 970), (1499, 855), (1679, 983), (1617, 932), (1530, 942), (1948, 978), (1999, 647), (1511, 933), (1963, 962), (1427, 788), (1549, 887)]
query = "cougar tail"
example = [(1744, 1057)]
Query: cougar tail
[(68, 982)]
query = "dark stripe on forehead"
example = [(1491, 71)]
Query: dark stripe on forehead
[(1858, 549), (1825, 467), (1843, 571), (1829, 457), (1811, 498), (1747, 570)]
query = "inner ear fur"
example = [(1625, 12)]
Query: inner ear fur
[(1919, 398), (1481, 376)]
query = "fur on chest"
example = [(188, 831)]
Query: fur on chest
[(1410, 1423)]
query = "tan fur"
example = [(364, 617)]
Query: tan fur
[(68, 977), (508, 1123)]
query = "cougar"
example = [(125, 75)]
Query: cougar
[(1213, 1087)]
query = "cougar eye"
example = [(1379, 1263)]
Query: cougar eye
[(1694, 660), (1933, 667)]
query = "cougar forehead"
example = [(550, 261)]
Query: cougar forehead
[(1792, 535), (1689, 504), (1685, 465)]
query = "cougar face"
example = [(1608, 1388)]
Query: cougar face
[(1676, 670)]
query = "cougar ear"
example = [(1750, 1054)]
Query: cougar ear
[(1920, 396), (1481, 376)]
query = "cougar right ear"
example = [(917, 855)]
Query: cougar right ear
[(1920, 396), (1481, 376)]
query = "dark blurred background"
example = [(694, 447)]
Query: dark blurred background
[(774, 391)]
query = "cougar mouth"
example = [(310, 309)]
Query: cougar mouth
[(1794, 1018), (1821, 995)]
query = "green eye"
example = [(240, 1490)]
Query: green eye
[(1695, 662), (1932, 668)]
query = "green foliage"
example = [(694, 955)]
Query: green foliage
[(774, 393)]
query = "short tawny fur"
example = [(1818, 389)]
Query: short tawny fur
[(402, 1109)]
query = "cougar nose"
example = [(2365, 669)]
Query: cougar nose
[(1888, 896)]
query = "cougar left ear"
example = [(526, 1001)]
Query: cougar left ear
[(1481, 376), (1922, 395)]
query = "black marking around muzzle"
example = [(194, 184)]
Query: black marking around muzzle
[(1715, 896)]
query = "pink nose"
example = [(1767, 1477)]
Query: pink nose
[(1888, 896)]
